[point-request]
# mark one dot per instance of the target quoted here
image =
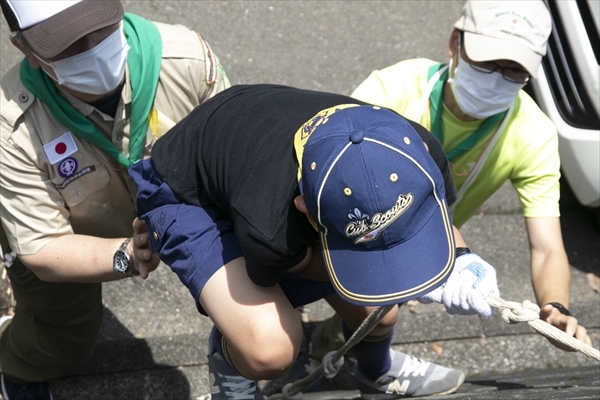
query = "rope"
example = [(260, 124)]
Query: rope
[(334, 360), (513, 312)]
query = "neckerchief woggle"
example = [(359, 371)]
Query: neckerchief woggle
[(143, 60), (435, 110)]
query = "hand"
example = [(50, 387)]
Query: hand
[(144, 261), (467, 287), (565, 323)]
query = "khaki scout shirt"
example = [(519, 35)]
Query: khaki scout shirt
[(38, 201)]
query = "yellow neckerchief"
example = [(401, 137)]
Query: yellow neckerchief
[(159, 123)]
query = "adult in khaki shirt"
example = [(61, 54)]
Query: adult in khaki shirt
[(95, 90)]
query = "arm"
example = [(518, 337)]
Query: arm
[(37, 217), (458, 239), (82, 258), (535, 177), (75, 258), (550, 274)]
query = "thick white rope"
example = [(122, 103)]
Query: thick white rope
[(513, 312)]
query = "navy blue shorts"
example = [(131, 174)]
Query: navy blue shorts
[(195, 241)]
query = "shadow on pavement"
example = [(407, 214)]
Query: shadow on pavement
[(565, 384), (117, 351)]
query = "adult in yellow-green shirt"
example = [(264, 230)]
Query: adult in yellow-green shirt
[(492, 131)]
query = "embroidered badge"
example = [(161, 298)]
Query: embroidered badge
[(60, 148), (67, 167), (321, 118), (75, 175), (368, 229)]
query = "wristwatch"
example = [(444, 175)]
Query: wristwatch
[(122, 261)]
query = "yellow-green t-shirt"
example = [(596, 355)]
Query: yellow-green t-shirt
[(526, 153)]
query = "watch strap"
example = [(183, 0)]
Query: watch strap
[(461, 251), (563, 310)]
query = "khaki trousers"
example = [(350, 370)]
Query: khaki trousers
[(54, 327)]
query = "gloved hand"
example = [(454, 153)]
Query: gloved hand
[(467, 287)]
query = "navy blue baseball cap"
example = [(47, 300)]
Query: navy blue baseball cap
[(377, 199)]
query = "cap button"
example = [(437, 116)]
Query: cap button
[(357, 136)]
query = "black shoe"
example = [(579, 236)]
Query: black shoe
[(25, 391)]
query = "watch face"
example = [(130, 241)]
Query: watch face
[(121, 262)]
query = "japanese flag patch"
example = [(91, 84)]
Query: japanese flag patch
[(60, 148)]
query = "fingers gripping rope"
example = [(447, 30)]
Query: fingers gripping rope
[(513, 312)]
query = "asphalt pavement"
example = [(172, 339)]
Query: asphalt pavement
[(153, 342)]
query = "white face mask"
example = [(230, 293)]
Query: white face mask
[(98, 70), (481, 95)]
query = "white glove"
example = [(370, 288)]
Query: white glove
[(467, 287)]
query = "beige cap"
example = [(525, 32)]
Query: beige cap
[(50, 26), (515, 30)]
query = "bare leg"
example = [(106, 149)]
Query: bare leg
[(263, 331)]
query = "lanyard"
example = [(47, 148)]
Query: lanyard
[(435, 111), (435, 76)]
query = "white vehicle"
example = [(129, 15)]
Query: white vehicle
[(567, 90)]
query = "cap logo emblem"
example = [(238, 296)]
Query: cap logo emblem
[(368, 229)]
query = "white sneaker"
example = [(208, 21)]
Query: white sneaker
[(410, 377)]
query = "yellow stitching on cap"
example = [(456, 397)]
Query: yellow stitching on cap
[(348, 191), (313, 165), (406, 140), (393, 177), (302, 134)]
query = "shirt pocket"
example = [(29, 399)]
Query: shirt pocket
[(77, 178)]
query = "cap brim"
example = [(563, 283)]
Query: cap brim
[(51, 37), (486, 48), (395, 275)]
